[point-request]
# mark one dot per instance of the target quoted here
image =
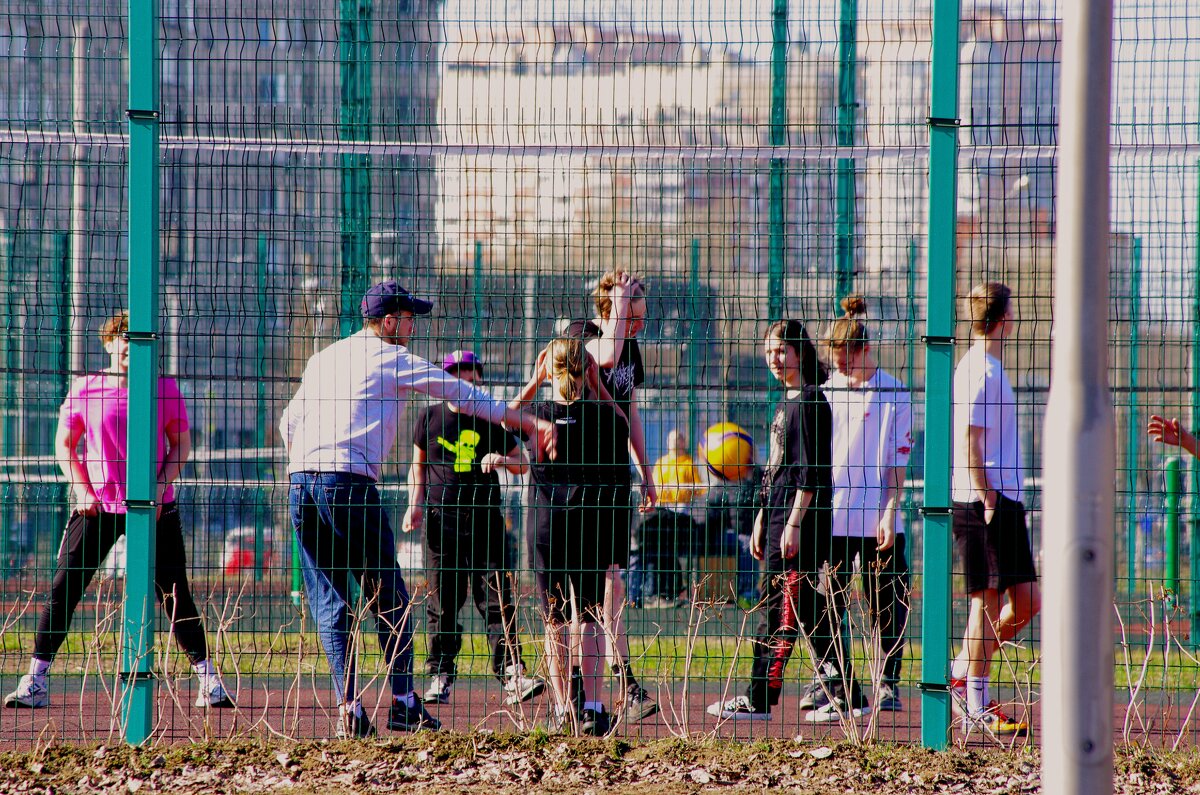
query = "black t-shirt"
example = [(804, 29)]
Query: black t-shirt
[(801, 458), (592, 464), (626, 375), (454, 444)]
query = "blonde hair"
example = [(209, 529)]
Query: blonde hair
[(987, 305), (114, 327), (850, 330), (603, 291), (565, 359)]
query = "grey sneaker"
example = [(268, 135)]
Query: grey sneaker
[(519, 687), (354, 721), (439, 690), (212, 694), (31, 693), (887, 699), (737, 708)]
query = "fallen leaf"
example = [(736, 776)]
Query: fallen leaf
[(701, 776), (824, 752)]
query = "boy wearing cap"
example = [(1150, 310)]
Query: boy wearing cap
[(454, 476), (338, 429)]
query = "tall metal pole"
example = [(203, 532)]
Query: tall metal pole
[(354, 34), (695, 340), (1079, 469), (1194, 466), (777, 168), (1133, 430), (939, 373), (846, 204), (77, 318), (142, 468)]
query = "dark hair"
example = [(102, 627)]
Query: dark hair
[(793, 333), (987, 305)]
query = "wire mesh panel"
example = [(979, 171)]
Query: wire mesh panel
[(651, 186)]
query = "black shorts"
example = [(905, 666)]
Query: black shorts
[(993, 556), (569, 549), (622, 527)]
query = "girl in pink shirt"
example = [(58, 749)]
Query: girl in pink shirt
[(97, 412)]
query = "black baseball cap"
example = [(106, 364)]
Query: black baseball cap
[(388, 297)]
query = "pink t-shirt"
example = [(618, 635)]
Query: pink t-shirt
[(99, 409)]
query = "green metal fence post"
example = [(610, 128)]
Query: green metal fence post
[(939, 373), (477, 299), (142, 468), (846, 204), (695, 341), (1171, 575), (261, 468), (354, 34), (777, 173), (9, 411), (1133, 433)]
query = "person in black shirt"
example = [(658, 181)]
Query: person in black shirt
[(454, 475), (791, 535), (611, 339), (576, 502)]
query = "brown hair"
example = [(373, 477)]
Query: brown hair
[(114, 327), (987, 305), (603, 291), (849, 330), (565, 357)]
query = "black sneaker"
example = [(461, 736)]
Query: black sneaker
[(595, 723), (353, 722), (638, 704), (403, 718)]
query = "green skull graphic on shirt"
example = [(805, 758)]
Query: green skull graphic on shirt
[(464, 449)]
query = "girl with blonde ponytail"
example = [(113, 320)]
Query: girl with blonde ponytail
[(575, 500)]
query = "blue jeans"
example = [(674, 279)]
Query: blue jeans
[(343, 531)]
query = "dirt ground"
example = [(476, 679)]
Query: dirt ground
[(536, 762)]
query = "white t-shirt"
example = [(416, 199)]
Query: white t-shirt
[(343, 417), (872, 433), (983, 398)]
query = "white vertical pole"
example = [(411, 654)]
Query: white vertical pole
[(1078, 465), (76, 321)]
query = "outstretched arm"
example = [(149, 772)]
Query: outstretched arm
[(1170, 432)]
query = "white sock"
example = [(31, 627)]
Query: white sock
[(204, 668), (594, 706), (408, 699), (977, 694), (958, 668), (38, 667)]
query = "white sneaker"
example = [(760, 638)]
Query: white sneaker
[(212, 694), (737, 708), (835, 710), (519, 687), (31, 693), (439, 690)]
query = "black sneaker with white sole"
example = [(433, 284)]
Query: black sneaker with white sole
[(638, 704), (403, 718)]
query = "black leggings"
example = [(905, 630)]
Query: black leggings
[(85, 544)]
